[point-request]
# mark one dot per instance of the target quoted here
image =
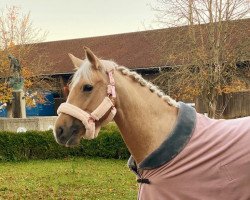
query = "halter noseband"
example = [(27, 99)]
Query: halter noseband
[(89, 119)]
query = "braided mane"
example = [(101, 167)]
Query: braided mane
[(154, 89)]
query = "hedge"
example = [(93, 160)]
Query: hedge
[(42, 145)]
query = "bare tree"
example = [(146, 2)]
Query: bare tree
[(19, 37), (212, 41)]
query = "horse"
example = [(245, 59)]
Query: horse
[(176, 153)]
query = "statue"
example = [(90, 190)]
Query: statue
[(16, 80), (15, 65)]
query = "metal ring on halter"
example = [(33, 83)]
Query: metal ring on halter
[(91, 119)]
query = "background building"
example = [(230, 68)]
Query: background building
[(145, 52)]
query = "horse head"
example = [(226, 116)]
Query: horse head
[(90, 101)]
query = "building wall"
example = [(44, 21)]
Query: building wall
[(233, 105), (21, 125)]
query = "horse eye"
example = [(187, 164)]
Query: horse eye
[(87, 88)]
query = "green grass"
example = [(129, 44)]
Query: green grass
[(76, 178)]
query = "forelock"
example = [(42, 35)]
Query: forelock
[(85, 71)]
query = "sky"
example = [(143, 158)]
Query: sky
[(69, 19)]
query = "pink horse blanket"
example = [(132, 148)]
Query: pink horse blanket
[(202, 159)]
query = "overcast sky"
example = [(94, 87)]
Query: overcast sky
[(68, 19)]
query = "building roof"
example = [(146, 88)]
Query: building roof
[(143, 49)]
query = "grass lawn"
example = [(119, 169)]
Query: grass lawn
[(76, 178)]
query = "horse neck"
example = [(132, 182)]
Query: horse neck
[(144, 119)]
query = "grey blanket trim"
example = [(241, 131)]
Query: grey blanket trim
[(173, 145)]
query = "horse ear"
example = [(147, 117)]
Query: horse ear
[(92, 58), (76, 61)]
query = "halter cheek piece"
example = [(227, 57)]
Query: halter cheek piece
[(89, 119)]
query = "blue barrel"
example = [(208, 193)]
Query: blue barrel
[(48, 107), (32, 111), (45, 109), (3, 112)]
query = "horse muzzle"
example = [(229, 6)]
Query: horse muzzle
[(68, 131)]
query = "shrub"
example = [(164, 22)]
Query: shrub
[(42, 145)]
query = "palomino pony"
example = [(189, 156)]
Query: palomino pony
[(176, 153)]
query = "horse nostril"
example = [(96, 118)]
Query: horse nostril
[(59, 131)]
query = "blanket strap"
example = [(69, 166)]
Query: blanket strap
[(143, 180)]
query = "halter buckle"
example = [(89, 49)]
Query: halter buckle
[(91, 119), (111, 91)]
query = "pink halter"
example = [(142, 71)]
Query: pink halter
[(89, 119)]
